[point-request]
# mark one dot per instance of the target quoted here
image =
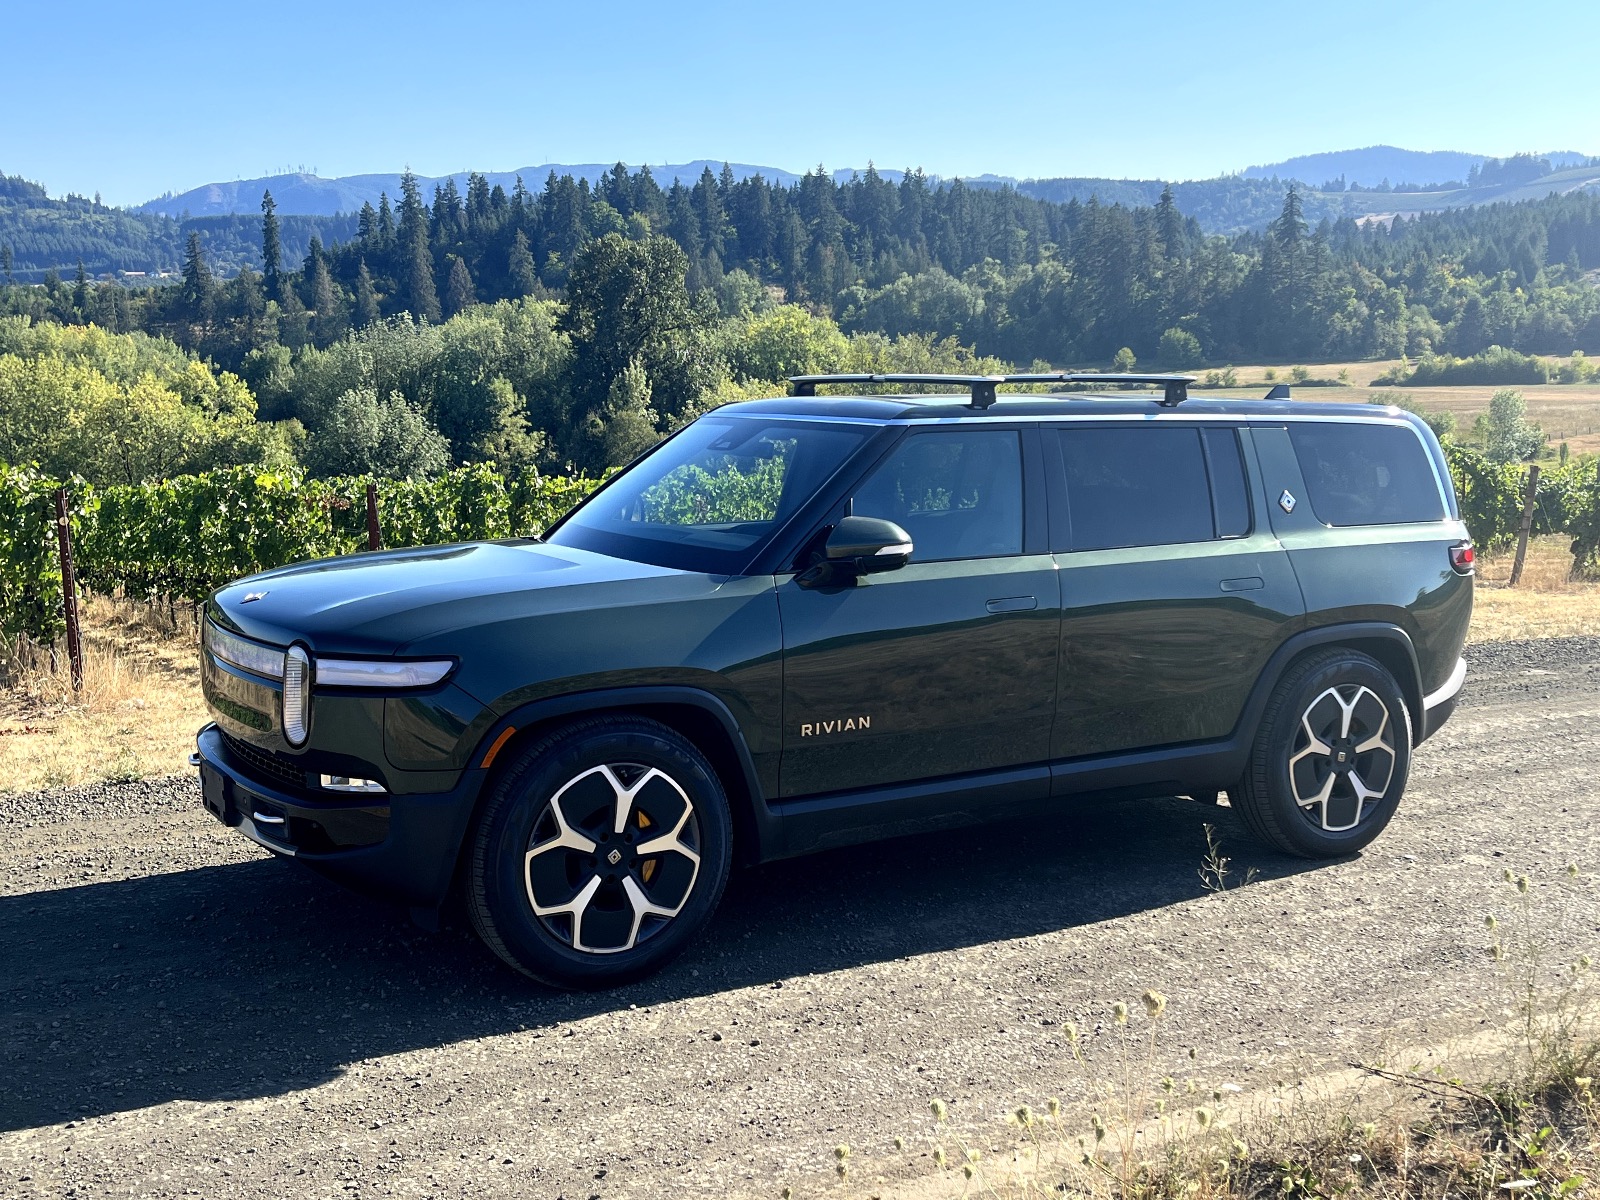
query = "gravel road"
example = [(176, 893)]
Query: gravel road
[(181, 1014)]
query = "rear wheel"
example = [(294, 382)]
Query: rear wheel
[(600, 853), (1330, 760)]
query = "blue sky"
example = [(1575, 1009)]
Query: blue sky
[(134, 99)]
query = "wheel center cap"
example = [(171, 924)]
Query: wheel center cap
[(616, 855), (1342, 757)]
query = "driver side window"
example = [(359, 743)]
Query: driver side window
[(958, 493)]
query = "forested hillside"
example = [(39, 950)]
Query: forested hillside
[(39, 234), (571, 326)]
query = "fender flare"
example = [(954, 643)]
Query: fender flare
[(1402, 653), (745, 792)]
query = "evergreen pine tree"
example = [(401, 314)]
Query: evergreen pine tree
[(6, 260), (199, 287), (367, 311), (80, 291), (520, 269), (458, 293), (271, 246), (422, 295)]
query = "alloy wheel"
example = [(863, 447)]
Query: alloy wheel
[(613, 857), (1344, 757)]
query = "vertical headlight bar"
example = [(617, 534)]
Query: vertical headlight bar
[(296, 696)]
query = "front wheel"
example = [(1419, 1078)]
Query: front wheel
[(1330, 760), (600, 853)]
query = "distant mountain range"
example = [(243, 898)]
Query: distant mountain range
[(1375, 164)]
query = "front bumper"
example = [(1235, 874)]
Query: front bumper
[(399, 847)]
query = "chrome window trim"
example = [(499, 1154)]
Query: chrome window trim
[(257, 658)]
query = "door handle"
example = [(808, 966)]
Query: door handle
[(1248, 583), (1013, 604)]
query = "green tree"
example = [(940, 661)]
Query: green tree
[(367, 310), (271, 247), (1123, 362), (365, 434), (198, 290), (519, 267), (1509, 435), (458, 293), (1179, 349), (421, 294), (628, 305)]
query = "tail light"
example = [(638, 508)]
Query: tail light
[(1462, 558)]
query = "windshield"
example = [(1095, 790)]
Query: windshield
[(703, 500)]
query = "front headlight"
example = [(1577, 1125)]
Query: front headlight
[(359, 673)]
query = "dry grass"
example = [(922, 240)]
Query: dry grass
[(1547, 602), (136, 716), (1566, 412)]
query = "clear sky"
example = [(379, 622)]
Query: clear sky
[(135, 99)]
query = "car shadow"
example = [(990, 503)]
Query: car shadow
[(258, 978)]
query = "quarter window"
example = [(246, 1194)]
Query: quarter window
[(1366, 474), (958, 493), (1149, 486)]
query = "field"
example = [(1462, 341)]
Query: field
[(1566, 412)]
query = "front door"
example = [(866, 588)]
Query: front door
[(948, 665)]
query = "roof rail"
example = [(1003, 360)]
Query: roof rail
[(1175, 388), (982, 387)]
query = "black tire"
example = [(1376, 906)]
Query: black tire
[(604, 915), (1305, 802)]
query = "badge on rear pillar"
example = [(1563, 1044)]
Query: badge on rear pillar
[(838, 725), (1286, 501)]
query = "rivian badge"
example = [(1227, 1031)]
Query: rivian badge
[(1286, 501), (250, 597), (614, 857)]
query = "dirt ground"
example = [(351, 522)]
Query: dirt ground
[(182, 1015)]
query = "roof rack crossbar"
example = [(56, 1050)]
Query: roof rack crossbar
[(982, 387), (1175, 388)]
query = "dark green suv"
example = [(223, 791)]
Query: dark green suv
[(804, 622)]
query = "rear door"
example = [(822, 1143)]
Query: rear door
[(948, 665), (1175, 590)]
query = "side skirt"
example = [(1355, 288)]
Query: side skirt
[(823, 822)]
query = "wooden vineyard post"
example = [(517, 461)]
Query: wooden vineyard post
[(69, 591), (374, 542), (1527, 524)]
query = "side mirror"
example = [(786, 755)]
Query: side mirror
[(867, 545)]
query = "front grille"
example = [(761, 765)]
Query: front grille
[(265, 763)]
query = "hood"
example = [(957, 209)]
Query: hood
[(378, 603)]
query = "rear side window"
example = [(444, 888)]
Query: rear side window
[(1360, 474), (1153, 486)]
